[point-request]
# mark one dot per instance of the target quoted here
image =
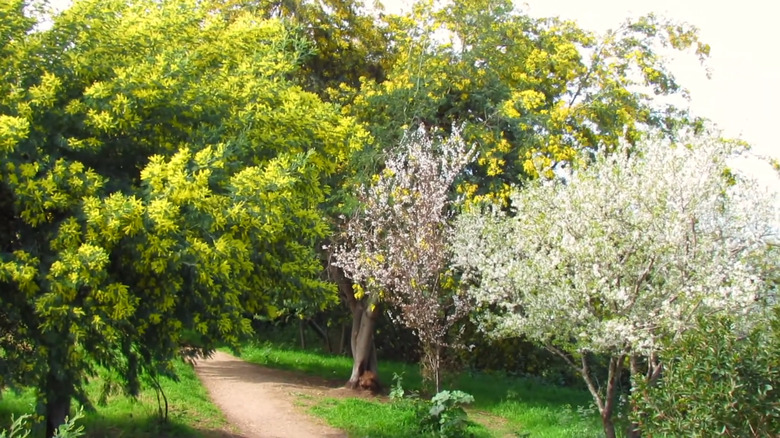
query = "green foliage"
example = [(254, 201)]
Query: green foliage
[(344, 39), (21, 427), (397, 391), (445, 416), (442, 416), (513, 355), (717, 379)]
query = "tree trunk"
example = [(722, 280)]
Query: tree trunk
[(608, 424), (321, 332), (342, 340), (432, 360), (362, 341), (364, 315), (606, 402), (59, 392), (302, 334)]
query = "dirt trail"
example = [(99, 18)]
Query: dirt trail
[(259, 401)]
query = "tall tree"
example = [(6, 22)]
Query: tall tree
[(622, 254), (161, 176)]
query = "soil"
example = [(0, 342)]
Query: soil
[(267, 403)]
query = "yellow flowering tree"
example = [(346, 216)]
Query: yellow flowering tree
[(161, 179), (532, 93), (347, 41)]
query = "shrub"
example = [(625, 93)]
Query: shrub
[(716, 381), (446, 417)]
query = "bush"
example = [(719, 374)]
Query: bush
[(515, 356), (716, 381), (446, 417)]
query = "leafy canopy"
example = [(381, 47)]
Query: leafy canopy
[(161, 180), (532, 93)]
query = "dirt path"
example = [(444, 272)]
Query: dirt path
[(260, 402)]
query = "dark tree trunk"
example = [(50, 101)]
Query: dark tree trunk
[(343, 339), (321, 332), (59, 392), (56, 411), (364, 316), (302, 334)]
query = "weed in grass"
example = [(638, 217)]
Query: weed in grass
[(21, 427), (444, 415)]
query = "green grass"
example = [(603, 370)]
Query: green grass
[(509, 405), (543, 409), (375, 419), (332, 367), (16, 404), (190, 411), (505, 406)]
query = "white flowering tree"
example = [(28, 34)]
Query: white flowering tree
[(619, 256), (396, 248)]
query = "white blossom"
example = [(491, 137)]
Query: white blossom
[(396, 244), (623, 252)]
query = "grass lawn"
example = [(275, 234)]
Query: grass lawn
[(505, 406), (190, 412)]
